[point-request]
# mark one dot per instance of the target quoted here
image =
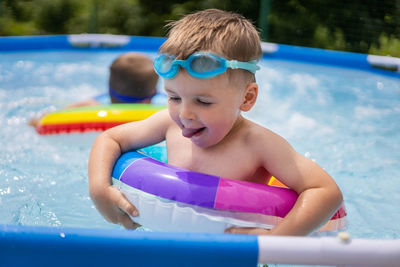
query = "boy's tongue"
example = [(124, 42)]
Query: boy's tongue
[(190, 132)]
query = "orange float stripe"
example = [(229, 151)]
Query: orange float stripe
[(275, 182)]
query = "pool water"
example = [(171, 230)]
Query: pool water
[(347, 120)]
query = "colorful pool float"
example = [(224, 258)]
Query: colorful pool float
[(94, 118), (177, 200)]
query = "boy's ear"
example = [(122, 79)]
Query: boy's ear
[(250, 97)]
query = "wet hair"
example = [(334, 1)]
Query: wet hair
[(132, 76), (224, 33)]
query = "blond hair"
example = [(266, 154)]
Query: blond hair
[(227, 34), (132, 75)]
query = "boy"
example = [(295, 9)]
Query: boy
[(132, 80), (204, 129)]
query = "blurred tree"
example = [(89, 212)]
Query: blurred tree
[(120, 17), (344, 25), (54, 15), (93, 17), (16, 18), (161, 12), (362, 22), (388, 46)]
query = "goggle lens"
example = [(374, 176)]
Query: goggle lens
[(165, 63), (204, 64)]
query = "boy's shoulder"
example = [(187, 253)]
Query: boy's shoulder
[(254, 131), (260, 138)]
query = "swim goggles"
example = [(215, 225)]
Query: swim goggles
[(129, 99), (201, 65)]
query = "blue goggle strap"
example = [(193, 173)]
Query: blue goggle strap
[(129, 99), (250, 66)]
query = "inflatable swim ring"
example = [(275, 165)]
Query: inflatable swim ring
[(94, 118), (177, 200)]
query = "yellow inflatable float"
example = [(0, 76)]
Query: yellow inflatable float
[(94, 118)]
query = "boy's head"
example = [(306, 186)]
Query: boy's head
[(192, 74), (223, 33), (132, 79)]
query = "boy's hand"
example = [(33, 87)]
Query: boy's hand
[(115, 207), (247, 231)]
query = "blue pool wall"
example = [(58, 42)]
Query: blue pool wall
[(51, 246), (97, 42)]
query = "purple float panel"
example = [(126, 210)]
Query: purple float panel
[(166, 181), (255, 198)]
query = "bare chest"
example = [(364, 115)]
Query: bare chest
[(234, 161)]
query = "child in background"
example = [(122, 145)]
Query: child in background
[(208, 64), (132, 80)]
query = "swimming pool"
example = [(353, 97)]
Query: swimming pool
[(345, 118)]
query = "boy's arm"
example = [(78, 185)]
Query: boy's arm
[(319, 196), (106, 149)]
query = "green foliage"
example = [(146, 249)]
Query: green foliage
[(120, 17), (340, 24), (325, 38), (159, 12), (54, 15), (9, 26), (292, 22), (15, 18), (388, 46), (360, 26), (103, 16)]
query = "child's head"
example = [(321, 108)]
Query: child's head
[(223, 33), (203, 100), (132, 79)]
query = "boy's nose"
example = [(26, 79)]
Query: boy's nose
[(186, 113)]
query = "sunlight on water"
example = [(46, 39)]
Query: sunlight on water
[(346, 120)]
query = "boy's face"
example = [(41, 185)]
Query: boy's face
[(204, 109)]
